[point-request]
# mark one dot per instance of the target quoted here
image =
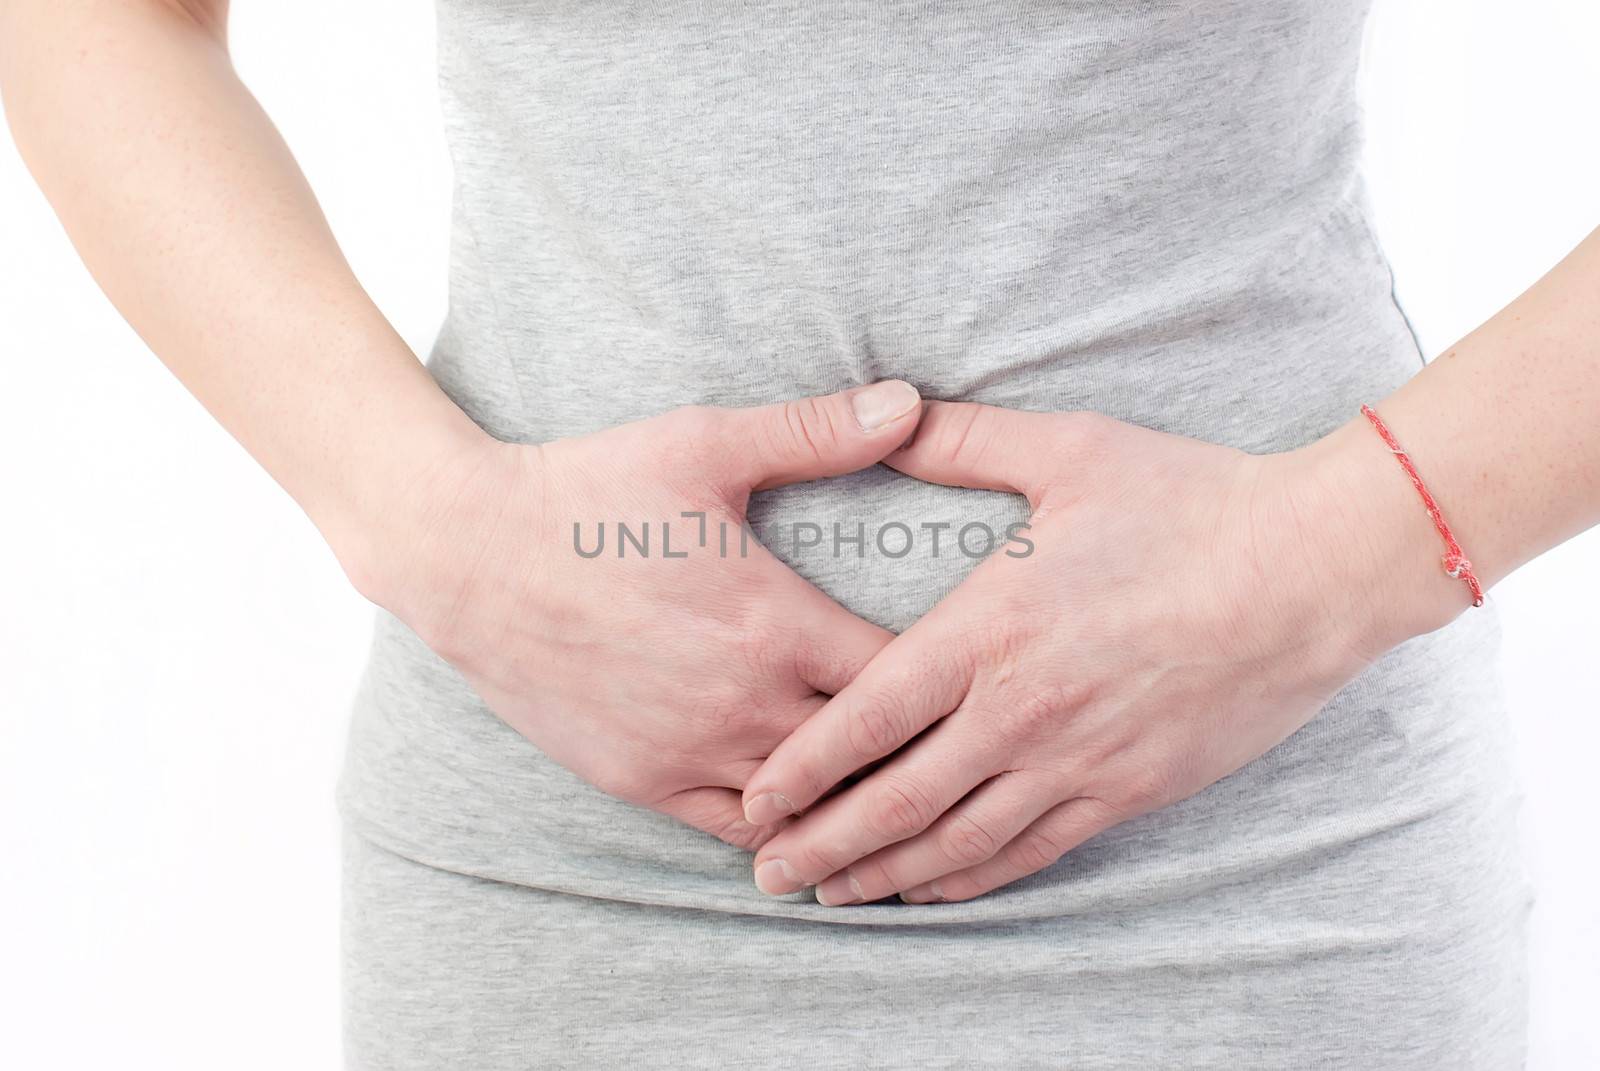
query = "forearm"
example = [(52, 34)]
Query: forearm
[(1504, 428), (191, 214)]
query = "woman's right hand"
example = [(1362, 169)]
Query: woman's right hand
[(664, 681)]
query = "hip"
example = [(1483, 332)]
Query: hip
[(444, 969), (1399, 787)]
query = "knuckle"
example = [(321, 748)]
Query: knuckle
[(967, 841), (1038, 709), (624, 781), (900, 808), (1028, 716), (964, 437), (738, 833), (875, 728), (809, 426), (813, 862), (811, 781), (1034, 850), (715, 817), (1148, 786), (719, 715)]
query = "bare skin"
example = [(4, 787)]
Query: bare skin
[(194, 218), (1188, 607), (192, 215)]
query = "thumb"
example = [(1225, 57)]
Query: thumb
[(966, 444), (720, 812), (810, 438)]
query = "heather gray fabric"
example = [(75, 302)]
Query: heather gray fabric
[(1152, 210)]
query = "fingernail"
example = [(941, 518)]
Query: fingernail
[(776, 878), (883, 403), (840, 889), (928, 895), (768, 808)]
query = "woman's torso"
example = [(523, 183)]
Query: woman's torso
[(1152, 210)]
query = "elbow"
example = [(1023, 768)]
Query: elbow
[(46, 47), (210, 16)]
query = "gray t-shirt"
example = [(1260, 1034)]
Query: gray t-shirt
[(1152, 210)]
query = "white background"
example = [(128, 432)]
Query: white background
[(179, 649)]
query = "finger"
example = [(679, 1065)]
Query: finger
[(832, 646), (717, 811), (898, 801), (965, 444), (810, 438), (969, 833), (1042, 844), (771, 721), (900, 693)]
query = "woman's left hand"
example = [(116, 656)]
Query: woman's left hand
[(1185, 607)]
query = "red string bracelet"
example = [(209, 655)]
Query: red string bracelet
[(1455, 563)]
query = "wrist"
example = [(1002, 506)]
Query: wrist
[(1371, 540), (395, 476)]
